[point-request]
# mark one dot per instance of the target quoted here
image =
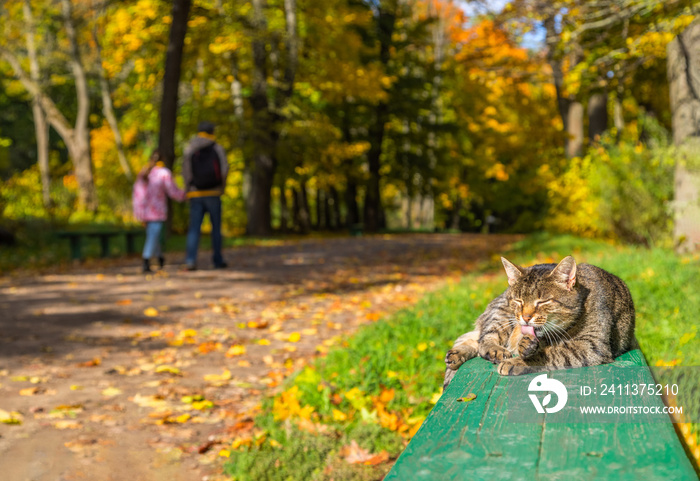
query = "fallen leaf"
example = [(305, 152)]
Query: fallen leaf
[(235, 350), (354, 454), (150, 312), (225, 376), (111, 392), (469, 397), (67, 424), (30, 391), (168, 369), (10, 417), (91, 363)]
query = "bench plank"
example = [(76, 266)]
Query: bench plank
[(475, 440), (76, 240)]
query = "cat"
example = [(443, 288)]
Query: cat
[(553, 317)]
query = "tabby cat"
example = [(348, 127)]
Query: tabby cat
[(552, 317)]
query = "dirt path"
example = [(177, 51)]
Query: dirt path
[(110, 375)]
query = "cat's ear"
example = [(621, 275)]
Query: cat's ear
[(565, 273), (513, 272)]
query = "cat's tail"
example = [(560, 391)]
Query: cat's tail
[(465, 347)]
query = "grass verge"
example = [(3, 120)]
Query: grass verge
[(351, 412)]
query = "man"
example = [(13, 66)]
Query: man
[(204, 170)]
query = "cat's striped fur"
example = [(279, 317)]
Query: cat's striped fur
[(552, 316)]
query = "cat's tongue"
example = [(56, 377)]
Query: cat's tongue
[(528, 330)]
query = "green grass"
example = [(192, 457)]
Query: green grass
[(405, 352)]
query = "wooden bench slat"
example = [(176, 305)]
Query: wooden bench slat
[(475, 440), (75, 238)]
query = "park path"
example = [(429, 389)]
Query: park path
[(110, 375)]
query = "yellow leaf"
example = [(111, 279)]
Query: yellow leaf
[(294, 337), (111, 392), (188, 333), (67, 424), (264, 342), (168, 369), (225, 453), (685, 338), (225, 376), (182, 418), (30, 391), (150, 312), (339, 415), (235, 350), (202, 405), (10, 417)]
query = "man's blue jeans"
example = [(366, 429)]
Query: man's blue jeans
[(152, 246), (198, 207)]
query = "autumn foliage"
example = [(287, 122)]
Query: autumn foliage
[(461, 116)]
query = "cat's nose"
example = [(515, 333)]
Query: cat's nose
[(526, 318)]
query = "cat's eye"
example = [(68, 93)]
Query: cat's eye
[(541, 303), (518, 301)]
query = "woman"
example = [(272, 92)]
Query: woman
[(153, 186)]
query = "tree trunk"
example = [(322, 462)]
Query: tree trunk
[(41, 127), (285, 217), (77, 143), (684, 83), (574, 145), (171, 80), (265, 128), (353, 215), (327, 214), (82, 158), (263, 165), (374, 217), (337, 221), (454, 220), (301, 209), (618, 115), (597, 116), (552, 39)]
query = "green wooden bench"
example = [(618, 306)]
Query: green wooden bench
[(474, 440), (356, 229), (76, 240)]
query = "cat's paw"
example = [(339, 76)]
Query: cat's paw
[(528, 346), (454, 358), (495, 353), (513, 367)]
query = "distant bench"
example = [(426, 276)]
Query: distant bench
[(474, 440), (76, 240)]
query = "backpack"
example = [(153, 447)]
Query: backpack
[(206, 168)]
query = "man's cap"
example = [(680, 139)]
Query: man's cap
[(205, 126)]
